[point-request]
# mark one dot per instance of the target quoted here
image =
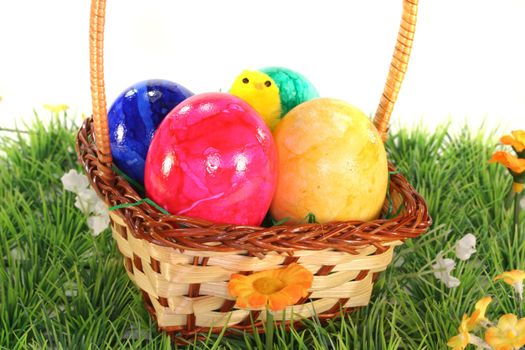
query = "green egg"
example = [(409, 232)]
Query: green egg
[(294, 88)]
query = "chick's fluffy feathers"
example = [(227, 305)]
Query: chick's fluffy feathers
[(260, 92)]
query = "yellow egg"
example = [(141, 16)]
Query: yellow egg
[(332, 163)]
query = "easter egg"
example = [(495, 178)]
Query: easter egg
[(213, 158), (133, 119), (332, 163), (294, 88)]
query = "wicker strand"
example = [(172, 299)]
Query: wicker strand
[(187, 234), (98, 91), (398, 67)]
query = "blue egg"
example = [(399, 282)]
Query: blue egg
[(133, 119)]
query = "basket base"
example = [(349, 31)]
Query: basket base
[(189, 311), (187, 335)]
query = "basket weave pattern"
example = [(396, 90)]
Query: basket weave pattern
[(182, 265)]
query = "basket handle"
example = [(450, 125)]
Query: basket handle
[(396, 74), (398, 67), (96, 71)]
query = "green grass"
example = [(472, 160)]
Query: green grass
[(61, 288)]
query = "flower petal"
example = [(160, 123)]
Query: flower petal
[(98, 223), (86, 200), (452, 282), (242, 302), (492, 337), (464, 323), (257, 300), (520, 327), (56, 108), (279, 301), (70, 289), (519, 135), (17, 254), (278, 288), (516, 140), (509, 333), (239, 286), (74, 182), (442, 269), (460, 341), (507, 321), (482, 305), (509, 161), (295, 292), (457, 342), (511, 277), (479, 313), (100, 208), (466, 246)]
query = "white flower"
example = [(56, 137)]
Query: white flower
[(98, 223), (442, 269), (17, 254), (74, 181), (466, 246), (86, 200), (70, 289), (100, 208)]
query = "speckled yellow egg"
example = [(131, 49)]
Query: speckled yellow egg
[(332, 163)]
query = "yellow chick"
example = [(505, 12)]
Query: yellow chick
[(261, 92)]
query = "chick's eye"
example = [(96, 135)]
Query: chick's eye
[(268, 83), (245, 80)]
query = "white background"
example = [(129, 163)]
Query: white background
[(468, 62)]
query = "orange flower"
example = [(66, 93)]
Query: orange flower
[(516, 140), (274, 288), (478, 315), (511, 277), (517, 166), (508, 335), (514, 278), (460, 341)]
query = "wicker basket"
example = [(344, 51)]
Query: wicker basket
[(182, 265)]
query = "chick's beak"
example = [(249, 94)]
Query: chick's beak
[(258, 86)]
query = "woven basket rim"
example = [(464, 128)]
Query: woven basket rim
[(186, 233)]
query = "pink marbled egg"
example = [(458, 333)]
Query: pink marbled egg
[(213, 158)]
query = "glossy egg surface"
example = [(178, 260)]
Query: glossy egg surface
[(213, 158), (134, 117)]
